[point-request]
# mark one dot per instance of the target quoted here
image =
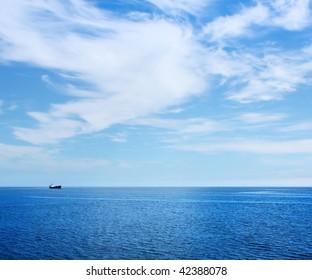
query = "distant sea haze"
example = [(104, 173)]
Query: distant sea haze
[(156, 223)]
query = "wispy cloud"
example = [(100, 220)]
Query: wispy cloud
[(302, 126), (291, 14), (287, 14), (183, 126), (172, 6), (5, 107), (262, 73), (251, 146), (238, 24), (120, 137), (119, 69), (273, 76), (256, 118), (259, 73), (131, 65), (18, 157)]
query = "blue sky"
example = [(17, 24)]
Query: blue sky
[(156, 93)]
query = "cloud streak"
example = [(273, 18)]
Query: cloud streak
[(172, 6), (287, 14), (238, 24), (22, 157), (251, 146), (183, 126), (256, 118)]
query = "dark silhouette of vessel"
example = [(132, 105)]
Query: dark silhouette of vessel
[(55, 186)]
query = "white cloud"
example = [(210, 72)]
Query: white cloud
[(17, 157), (287, 14), (251, 146), (13, 106), (291, 14), (259, 74), (71, 89), (50, 130), (228, 64), (119, 137), (255, 118), (132, 67), (12, 152), (191, 7), (120, 69), (10, 107), (303, 126), (273, 76), (123, 164), (183, 126), (46, 79), (238, 24)]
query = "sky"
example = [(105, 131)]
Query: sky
[(156, 93)]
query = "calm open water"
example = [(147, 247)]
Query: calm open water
[(156, 223)]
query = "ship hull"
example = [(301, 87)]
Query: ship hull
[(55, 187)]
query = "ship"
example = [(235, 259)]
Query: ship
[(55, 186)]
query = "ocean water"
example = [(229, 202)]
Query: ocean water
[(156, 223)]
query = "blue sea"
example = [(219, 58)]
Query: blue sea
[(155, 223)]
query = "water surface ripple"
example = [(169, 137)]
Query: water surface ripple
[(156, 223)]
